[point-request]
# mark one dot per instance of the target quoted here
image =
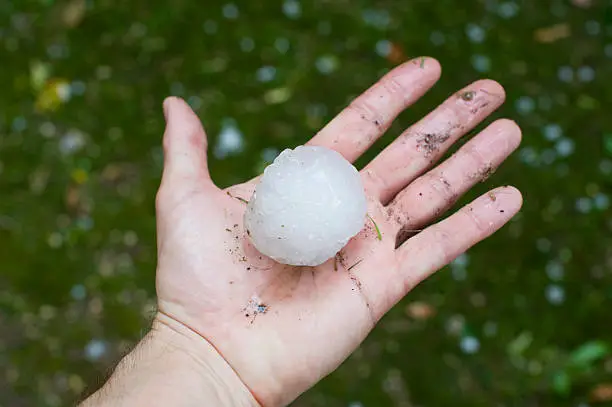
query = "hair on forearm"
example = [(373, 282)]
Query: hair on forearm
[(104, 379)]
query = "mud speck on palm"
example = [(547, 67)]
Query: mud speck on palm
[(254, 307)]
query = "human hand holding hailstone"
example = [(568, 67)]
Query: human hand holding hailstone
[(237, 326)]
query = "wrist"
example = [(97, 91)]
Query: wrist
[(200, 357), (173, 365)]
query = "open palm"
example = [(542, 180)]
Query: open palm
[(282, 328)]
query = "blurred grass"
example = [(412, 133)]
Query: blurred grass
[(521, 320)]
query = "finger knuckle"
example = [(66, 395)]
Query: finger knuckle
[(444, 242), (475, 157), (475, 220), (441, 187), (394, 88), (368, 112)]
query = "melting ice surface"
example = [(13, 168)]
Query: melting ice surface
[(309, 202)]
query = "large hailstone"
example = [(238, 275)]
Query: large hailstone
[(308, 204)]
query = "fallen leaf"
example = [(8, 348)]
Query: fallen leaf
[(112, 172), (588, 353), (420, 310), (73, 197), (553, 33), (396, 54), (79, 175), (277, 96), (73, 13), (602, 392), (39, 74), (52, 95), (582, 3)]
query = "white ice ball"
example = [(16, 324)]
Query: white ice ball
[(308, 204)]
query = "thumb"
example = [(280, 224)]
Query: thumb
[(184, 144)]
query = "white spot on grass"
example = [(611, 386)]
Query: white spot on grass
[(469, 345), (230, 140)]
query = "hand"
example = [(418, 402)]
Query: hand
[(282, 328)]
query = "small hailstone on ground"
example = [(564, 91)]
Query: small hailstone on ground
[(309, 202)]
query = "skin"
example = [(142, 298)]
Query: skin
[(252, 331)]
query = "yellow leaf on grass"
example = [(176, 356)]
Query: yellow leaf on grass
[(553, 33)]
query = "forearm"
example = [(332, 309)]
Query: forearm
[(167, 369)]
